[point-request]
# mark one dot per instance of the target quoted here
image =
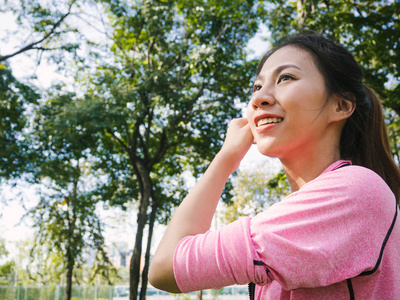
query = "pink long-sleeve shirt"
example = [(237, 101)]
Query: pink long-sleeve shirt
[(335, 238)]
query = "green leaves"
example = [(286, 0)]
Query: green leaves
[(144, 110), (6, 266), (15, 99), (254, 191), (181, 63)]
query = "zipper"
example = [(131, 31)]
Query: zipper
[(252, 289)]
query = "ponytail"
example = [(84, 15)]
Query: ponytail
[(365, 140)]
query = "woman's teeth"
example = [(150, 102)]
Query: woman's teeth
[(266, 121)]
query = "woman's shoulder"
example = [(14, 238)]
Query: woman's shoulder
[(357, 178), (356, 184)]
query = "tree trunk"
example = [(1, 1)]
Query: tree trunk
[(301, 14), (70, 268), (199, 295), (134, 269), (304, 9), (71, 246), (147, 255)]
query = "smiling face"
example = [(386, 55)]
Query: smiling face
[(289, 111)]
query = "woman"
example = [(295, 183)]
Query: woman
[(336, 236)]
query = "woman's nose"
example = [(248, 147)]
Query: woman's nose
[(262, 98)]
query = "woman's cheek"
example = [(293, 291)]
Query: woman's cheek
[(249, 115), (249, 110)]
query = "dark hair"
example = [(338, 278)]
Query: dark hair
[(364, 138)]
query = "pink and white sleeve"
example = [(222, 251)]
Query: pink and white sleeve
[(218, 258)]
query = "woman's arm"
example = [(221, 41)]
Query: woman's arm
[(196, 211)]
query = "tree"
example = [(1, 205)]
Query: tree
[(46, 27), (37, 264), (179, 70), (15, 97), (393, 126), (169, 85), (254, 191), (65, 217), (7, 266), (43, 27)]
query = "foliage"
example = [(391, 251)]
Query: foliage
[(170, 81), (46, 27), (172, 90), (37, 264), (6, 266), (65, 217), (167, 87), (393, 126), (15, 99), (179, 70), (254, 191)]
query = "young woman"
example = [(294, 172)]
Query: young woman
[(337, 235)]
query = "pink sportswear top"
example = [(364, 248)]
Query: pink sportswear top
[(335, 238)]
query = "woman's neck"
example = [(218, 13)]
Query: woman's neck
[(300, 171)]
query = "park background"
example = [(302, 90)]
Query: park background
[(110, 110)]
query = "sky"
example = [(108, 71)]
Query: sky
[(12, 229)]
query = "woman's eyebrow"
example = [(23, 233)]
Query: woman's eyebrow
[(277, 71), (283, 67)]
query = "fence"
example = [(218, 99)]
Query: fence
[(109, 293), (55, 292)]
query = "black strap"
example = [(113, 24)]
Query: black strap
[(344, 165), (351, 290), (252, 290), (366, 273)]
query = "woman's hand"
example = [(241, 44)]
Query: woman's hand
[(237, 142)]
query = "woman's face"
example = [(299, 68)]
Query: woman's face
[(286, 112)]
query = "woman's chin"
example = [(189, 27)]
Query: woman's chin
[(267, 151)]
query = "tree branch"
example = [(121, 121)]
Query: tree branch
[(357, 9), (122, 144), (150, 114), (162, 148), (227, 26), (149, 54), (46, 36)]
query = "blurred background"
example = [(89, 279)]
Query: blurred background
[(110, 111)]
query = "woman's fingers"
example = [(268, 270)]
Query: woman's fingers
[(238, 140)]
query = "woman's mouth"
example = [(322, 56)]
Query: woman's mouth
[(266, 121)]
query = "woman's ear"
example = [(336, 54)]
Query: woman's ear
[(342, 108)]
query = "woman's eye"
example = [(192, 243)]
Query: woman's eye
[(284, 77), (256, 88)]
